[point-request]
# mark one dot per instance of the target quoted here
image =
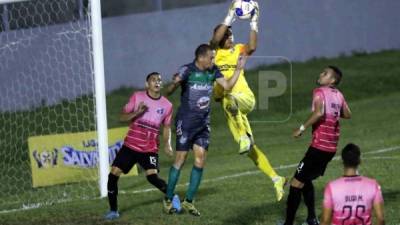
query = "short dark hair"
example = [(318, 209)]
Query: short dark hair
[(202, 50), (227, 33), (351, 155), (151, 74), (338, 74)]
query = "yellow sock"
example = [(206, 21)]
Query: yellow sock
[(261, 161)]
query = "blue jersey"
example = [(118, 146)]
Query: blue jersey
[(197, 88)]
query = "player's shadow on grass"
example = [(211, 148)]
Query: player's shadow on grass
[(158, 197)]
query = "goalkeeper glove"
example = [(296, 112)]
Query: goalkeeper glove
[(230, 17), (254, 18)]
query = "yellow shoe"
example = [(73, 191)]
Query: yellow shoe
[(189, 207), (279, 185), (167, 205), (244, 145)]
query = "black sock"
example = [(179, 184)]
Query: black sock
[(112, 187), (309, 199), (292, 204), (157, 182)]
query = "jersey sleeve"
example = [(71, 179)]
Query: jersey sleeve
[(168, 117), (183, 73), (378, 194), (130, 106), (318, 97), (328, 202)]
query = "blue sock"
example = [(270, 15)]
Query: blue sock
[(173, 178), (195, 179)]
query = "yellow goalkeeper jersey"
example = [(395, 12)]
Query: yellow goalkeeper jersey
[(226, 60)]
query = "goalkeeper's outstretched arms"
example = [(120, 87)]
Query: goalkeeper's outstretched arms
[(223, 31)]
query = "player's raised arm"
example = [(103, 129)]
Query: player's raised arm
[(228, 84), (176, 81), (220, 30), (128, 116), (251, 46)]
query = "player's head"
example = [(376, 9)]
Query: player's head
[(204, 56), (351, 156), (154, 82), (330, 76), (227, 40)]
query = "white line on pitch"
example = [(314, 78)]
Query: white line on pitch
[(38, 205), (257, 171)]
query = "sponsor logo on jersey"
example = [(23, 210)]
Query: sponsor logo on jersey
[(203, 102), (201, 87)]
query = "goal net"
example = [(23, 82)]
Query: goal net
[(46, 92)]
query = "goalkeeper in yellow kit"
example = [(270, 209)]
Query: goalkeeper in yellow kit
[(239, 101)]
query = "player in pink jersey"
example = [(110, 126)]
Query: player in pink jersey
[(327, 107), (352, 198), (146, 111)]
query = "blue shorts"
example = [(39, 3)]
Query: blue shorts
[(189, 133)]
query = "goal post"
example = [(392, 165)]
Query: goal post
[(101, 113)]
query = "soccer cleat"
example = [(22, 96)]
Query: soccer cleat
[(279, 185), (313, 221), (111, 215), (189, 207), (244, 145), (176, 203), (167, 204)]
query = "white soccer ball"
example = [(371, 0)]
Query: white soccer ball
[(244, 9)]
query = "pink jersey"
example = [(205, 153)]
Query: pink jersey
[(325, 133), (144, 131), (351, 199)]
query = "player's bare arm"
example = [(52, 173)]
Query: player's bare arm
[(228, 84), (315, 116), (142, 108), (220, 32), (176, 81), (326, 216), (378, 209), (167, 140), (218, 36), (345, 112)]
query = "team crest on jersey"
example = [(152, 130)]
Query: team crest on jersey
[(160, 111)]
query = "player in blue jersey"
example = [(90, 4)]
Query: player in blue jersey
[(192, 121)]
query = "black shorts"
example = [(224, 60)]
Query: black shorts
[(313, 164), (126, 158)]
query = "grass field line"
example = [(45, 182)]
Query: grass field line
[(212, 180), (253, 172)]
